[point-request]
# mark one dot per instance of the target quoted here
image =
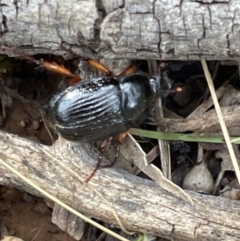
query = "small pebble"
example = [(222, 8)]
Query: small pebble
[(35, 124), (22, 123), (199, 179)]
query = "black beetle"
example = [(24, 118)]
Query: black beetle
[(103, 107)]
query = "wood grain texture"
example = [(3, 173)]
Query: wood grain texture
[(141, 205), (206, 123), (146, 29)]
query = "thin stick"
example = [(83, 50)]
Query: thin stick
[(220, 117), (56, 200)]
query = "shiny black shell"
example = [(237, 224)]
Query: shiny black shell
[(102, 107)]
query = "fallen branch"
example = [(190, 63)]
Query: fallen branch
[(206, 123), (141, 205)]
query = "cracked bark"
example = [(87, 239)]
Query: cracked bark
[(167, 30)]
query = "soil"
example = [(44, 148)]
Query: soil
[(27, 217)]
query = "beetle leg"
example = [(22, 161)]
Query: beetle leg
[(115, 158), (54, 67), (129, 70), (96, 168), (119, 141), (104, 147), (99, 66), (93, 63), (121, 137), (75, 80), (58, 69)]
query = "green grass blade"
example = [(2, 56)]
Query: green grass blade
[(181, 136)]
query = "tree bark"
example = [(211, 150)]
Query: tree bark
[(167, 30), (141, 204)]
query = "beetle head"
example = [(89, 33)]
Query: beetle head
[(161, 85)]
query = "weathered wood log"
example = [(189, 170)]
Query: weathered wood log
[(141, 204), (207, 123), (167, 30)]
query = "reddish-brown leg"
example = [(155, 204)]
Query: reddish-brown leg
[(59, 69), (96, 167), (99, 66), (104, 147), (115, 158), (93, 63), (129, 70)]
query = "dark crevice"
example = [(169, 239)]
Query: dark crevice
[(233, 24), (15, 2), (210, 17), (90, 46), (211, 3), (4, 27), (4, 24), (204, 28), (146, 49), (159, 27), (143, 13), (228, 42), (3, 5), (204, 32), (102, 14), (180, 4), (122, 5)]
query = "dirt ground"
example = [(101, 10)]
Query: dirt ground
[(27, 217)]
